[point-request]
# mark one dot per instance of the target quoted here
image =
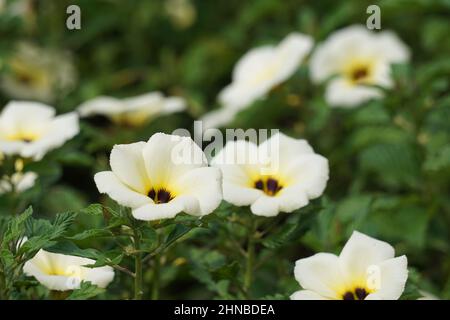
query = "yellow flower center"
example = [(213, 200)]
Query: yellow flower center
[(357, 293), (359, 71)]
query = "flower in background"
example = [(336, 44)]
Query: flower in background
[(18, 182), (298, 175), (35, 73), (182, 13), (152, 179), (256, 73), (366, 269), (31, 129), (134, 111), (359, 59), (62, 272)]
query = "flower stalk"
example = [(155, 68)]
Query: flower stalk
[(137, 266)]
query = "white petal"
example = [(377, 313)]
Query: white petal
[(168, 157), (61, 129), (127, 163), (173, 104), (107, 182), (105, 106), (205, 185), (308, 173), (168, 210), (24, 181), (392, 49), (320, 273), (218, 118), (101, 277), (306, 295), (361, 252), (341, 93), (393, 276), (266, 206)]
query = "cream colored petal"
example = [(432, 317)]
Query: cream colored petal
[(107, 182), (306, 295), (205, 185), (393, 275), (151, 211), (127, 163), (168, 157), (102, 105), (101, 277), (361, 252), (320, 273), (391, 48), (341, 93)]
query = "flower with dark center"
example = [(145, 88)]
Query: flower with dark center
[(270, 186)]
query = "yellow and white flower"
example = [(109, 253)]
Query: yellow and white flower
[(257, 72), (162, 177), (37, 74), (281, 175), (31, 129), (19, 182), (359, 59), (366, 269), (133, 111), (62, 272)]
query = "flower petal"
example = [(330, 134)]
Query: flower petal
[(320, 273), (306, 295), (393, 276), (107, 182), (127, 163), (341, 93), (361, 252)]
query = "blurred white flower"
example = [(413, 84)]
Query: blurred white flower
[(182, 13), (256, 73), (366, 269), (19, 182), (63, 272), (358, 58), (286, 175), (37, 74), (152, 179), (31, 129), (427, 296), (133, 111)]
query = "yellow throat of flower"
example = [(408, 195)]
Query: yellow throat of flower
[(359, 71)]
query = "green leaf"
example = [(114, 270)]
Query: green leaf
[(86, 291)]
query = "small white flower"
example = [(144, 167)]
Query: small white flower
[(358, 58), (366, 269), (257, 72), (63, 272), (162, 177), (133, 111), (285, 176), (38, 74), (21, 182), (31, 129)]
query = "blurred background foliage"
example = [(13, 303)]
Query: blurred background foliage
[(390, 159)]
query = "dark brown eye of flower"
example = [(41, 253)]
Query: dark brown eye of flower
[(356, 294), (160, 195), (359, 74), (269, 186)]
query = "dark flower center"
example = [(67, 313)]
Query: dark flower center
[(356, 294), (270, 186), (359, 74), (160, 195)]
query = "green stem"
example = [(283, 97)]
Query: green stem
[(155, 286), (3, 291), (250, 257), (137, 267)]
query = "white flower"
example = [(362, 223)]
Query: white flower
[(21, 182), (359, 58), (38, 74), (285, 176), (257, 72), (63, 272), (30, 129), (162, 177), (365, 270), (133, 111)]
